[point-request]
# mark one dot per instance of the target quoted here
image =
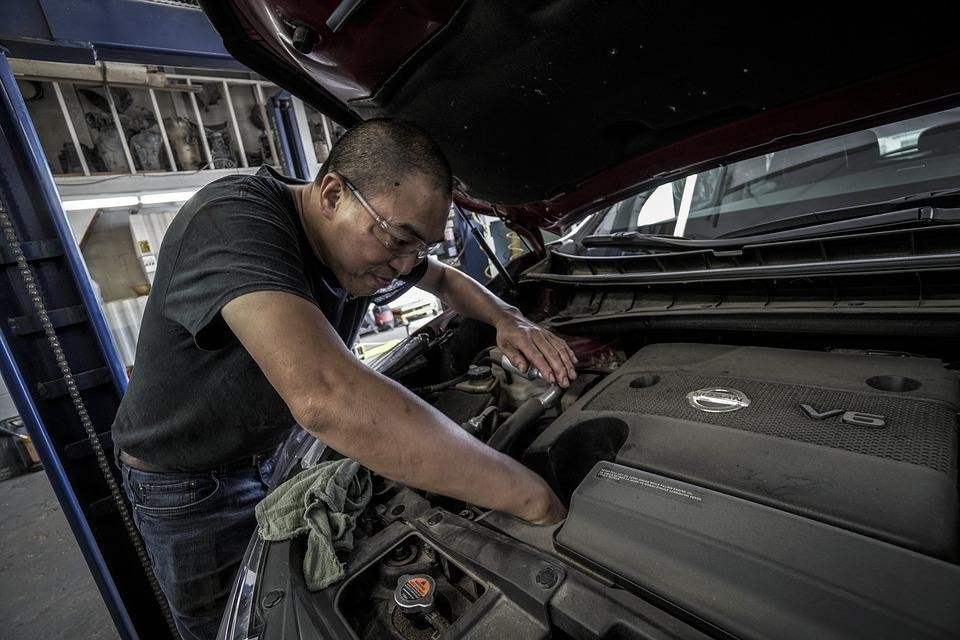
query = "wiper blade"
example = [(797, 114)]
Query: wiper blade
[(903, 216), (818, 223), (856, 217)]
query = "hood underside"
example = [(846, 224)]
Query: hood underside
[(549, 109)]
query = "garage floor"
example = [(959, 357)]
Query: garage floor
[(46, 590)]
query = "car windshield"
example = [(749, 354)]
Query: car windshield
[(882, 164)]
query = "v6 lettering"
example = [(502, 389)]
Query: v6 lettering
[(854, 418)]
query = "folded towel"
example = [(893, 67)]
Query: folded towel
[(324, 502)]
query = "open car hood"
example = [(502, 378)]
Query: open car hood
[(548, 110)]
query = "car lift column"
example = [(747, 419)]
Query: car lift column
[(63, 371)]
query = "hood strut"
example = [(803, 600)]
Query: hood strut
[(511, 283)]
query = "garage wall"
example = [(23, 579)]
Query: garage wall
[(111, 260)]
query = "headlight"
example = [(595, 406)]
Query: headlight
[(238, 621)]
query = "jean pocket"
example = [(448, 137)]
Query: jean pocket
[(175, 494)]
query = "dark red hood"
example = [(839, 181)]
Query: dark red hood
[(548, 110)]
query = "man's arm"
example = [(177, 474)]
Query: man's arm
[(519, 339), (371, 418)]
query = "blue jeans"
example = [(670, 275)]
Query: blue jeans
[(196, 527)]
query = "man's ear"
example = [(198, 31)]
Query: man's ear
[(331, 194)]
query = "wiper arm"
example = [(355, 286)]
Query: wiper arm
[(637, 239)]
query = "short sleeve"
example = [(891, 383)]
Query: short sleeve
[(233, 245)]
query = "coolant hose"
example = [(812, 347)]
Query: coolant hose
[(527, 414)]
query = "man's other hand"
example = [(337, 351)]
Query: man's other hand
[(525, 344)]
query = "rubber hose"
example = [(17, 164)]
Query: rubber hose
[(504, 437)]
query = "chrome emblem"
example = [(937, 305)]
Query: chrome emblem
[(718, 400)]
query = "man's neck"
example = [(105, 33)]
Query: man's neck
[(300, 196)]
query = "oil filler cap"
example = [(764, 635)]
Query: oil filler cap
[(414, 593)]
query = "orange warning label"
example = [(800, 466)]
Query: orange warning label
[(420, 585)]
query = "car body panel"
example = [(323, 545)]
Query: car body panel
[(550, 110)]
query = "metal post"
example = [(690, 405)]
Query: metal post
[(44, 186), (203, 133), (120, 132), (236, 126), (163, 130), (31, 358), (71, 128), (258, 93), (285, 160), (293, 140), (63, 489), (326, 132), (685, 200)]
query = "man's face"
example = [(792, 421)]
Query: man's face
[(366, 255)]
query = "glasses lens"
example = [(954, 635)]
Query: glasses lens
[(394, 238)]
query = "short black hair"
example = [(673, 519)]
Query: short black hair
[(379, 152)]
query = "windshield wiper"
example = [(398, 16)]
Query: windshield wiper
[(631, 239), (818, 223), (637, 239), (855, 217)]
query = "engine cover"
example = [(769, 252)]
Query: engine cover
[(865, 443)]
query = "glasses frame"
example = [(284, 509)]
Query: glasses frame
[(421, 249)]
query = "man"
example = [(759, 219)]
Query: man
[(260, 287)]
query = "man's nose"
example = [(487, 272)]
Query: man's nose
[(404, 264)]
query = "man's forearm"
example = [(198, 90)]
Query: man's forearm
[(520, 340), (469, 298), (404, 439), (371, 418)]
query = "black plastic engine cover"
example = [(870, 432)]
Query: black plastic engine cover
[(895, 482), (744, 570)]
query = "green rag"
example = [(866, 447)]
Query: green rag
[(324, 502)]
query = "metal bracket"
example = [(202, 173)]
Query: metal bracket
[(29, 324), (83, 448), (84, 380), (32, 251)]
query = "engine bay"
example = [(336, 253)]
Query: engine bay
[(713, 490)]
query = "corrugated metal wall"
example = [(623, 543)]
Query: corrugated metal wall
[(148, 228)]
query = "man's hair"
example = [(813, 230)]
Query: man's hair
[(376, 154)]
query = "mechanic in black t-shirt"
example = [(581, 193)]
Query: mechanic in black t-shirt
[(260, 287)]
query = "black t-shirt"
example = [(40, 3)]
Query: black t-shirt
[(197, 399)]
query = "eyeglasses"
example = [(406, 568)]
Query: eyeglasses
[(397, 241)]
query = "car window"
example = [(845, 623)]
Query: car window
[(874, 165)]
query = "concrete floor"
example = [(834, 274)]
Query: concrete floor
[(46, 590)]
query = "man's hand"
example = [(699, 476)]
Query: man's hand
[(548, 510), (519, 339), (525, 343)]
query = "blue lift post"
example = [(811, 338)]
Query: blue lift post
[(56, 354), (289, 148), (53, 319)]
